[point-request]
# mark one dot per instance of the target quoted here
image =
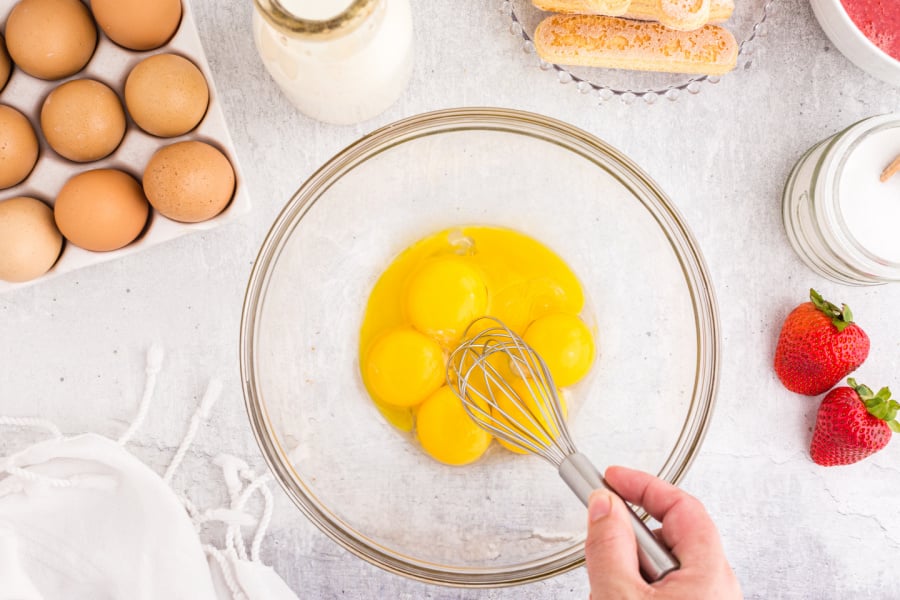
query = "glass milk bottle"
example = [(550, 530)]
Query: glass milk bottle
[(842, 204), (338, 61)]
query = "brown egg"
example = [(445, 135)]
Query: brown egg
[(189, 181), (166, 95), (101, 210), (30, 243), (18, 147), (50, 39), (138, 24), (5, 64), (83, 120)]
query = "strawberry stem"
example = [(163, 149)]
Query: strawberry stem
[(880, 405), (841, 317)]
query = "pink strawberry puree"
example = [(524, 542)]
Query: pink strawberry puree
[(879, 20)]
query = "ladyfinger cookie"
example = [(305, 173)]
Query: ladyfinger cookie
[(683, 15), (600, 41), (648, 10), (585, 7)]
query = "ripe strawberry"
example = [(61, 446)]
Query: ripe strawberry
[(853, 423), (819, 345)]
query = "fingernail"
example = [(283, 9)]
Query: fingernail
[(599, 506)]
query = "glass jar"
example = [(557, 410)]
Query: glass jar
[(340, 61), (840, 217)]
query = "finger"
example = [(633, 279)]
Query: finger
[(610, 550), (638, 487), (686, 527)]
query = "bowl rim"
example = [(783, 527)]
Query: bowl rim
[(706, 375), (851, 41)]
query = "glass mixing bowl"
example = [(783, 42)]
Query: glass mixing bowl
[(506, 519)]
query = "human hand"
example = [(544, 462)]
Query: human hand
[(611, 549)]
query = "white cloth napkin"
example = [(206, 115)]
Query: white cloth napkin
[(81, 518)]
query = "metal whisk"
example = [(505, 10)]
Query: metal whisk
[(531, 418)]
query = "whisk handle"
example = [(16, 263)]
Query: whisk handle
[(654, 558)]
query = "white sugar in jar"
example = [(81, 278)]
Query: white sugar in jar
[(338, 61), (841, 218)]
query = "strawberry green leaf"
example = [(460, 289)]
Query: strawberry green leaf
[(863, 391), (816, 297), (895, 426), (841, 318), (880, 405), (891, 412), (877, 409), (846, 314)]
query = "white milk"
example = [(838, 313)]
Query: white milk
[(870, 207), (346, 77)]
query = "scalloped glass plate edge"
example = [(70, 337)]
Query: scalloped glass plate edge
[(692, 84)]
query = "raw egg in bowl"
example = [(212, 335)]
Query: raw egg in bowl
[(616, 290)]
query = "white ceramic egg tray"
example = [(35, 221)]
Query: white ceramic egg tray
[(111, 65)]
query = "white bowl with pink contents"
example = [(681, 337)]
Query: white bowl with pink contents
[(865, 31)]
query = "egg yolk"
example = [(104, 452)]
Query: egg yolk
[(527, 280), (444, 296), (566, 345), (404, 367), (529, 411), (420, 308), (446, 431)]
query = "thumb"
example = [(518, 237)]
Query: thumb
[(611, 550)]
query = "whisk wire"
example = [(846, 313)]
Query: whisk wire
[(529, 419), (489, 411)]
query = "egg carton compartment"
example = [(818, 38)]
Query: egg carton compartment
[(111, 64)]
